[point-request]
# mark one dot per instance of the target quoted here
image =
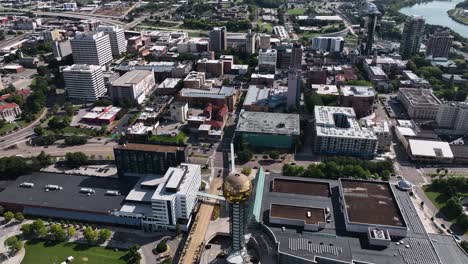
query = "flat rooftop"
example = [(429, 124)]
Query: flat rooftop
[(340, 122), (132, 77), (311, 188), (420, 97), (268, 123), (70, 197), (149, 147), (371, 202), (358, 91), (430, 148), (298, 213)]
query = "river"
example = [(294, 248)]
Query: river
[(435, 13)]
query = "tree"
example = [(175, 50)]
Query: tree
[(312, 100), (452, 208), (2, 210), (177, 229), (39, 229), (57, 232), (14, 244), (90, 235), (161, 247), (75, 140), (26, 229), (19, 217), (104, 235), (462, 221), (385, 175), (133, 256), (274, 154), (44, 159), (244, 156), (76, 159), (167, 261), (39, 130), (71, 231), (8, 216), (246, 171), (68, 107), (42, 70)]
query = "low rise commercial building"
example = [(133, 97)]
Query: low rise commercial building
[(169, 86), (134, 86), (101, 115), (419, 103), (179, 111), (268, 130), (259, 99), (429, 151), (339, 133), (138, 160), (212, 68), (226, 95)]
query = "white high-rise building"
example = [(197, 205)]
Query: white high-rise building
[(92, 48), (330, 44), (453, 115), (84, 83), (117, 39), (267, 60)]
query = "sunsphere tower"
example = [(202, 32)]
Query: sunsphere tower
[(237, 189)]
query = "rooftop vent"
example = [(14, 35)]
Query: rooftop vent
[(50, 187)]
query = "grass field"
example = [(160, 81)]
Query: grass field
[(437, 198), (40, 252), (296, 12)]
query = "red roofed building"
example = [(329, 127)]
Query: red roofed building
[(9, 111)]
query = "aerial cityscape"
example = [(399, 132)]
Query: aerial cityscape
[(234, 131)]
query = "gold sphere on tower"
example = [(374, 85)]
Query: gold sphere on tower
[(237, 188)]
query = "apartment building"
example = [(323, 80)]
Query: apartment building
[(338, 132), (453, 115), (117, 39)]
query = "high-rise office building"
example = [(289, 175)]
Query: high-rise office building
[(294, 87), (84, 83), (296, 56), (218, 39), (91, 48), (439, 44), (250, 40), (117, 39), (412, 35)]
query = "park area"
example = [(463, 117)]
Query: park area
[(46, 252), (296, 12)]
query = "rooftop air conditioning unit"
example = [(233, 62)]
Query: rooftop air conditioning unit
[(27, 185)]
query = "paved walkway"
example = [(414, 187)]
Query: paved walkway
[(9, 230), (197, 234)]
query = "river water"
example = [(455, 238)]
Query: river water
[(435, 13)]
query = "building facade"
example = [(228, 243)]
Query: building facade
[(337, 132), (9, 112), (138, 160), (117, 39), (330, 44), (439, 44), (453, 115), (134, 86), (294, 88), (267, 60), (413, 32), (218, 39), (84, 83), (419, 103), (91, 48)]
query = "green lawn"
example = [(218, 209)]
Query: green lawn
[(6, 128), (40, 252), (296, 12), (437, 198)]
